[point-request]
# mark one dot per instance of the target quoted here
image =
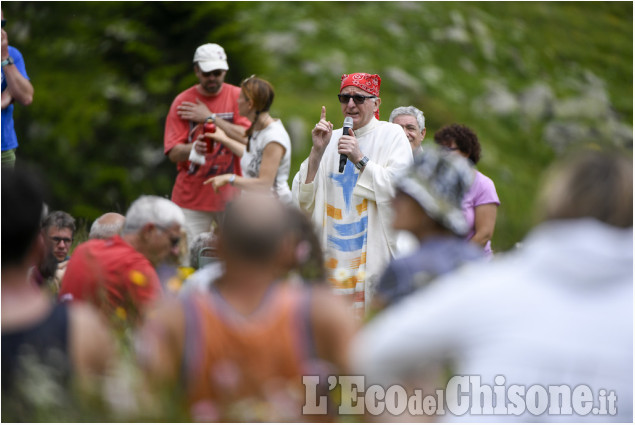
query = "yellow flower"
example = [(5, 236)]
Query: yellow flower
[(184, 272), (138, 278)]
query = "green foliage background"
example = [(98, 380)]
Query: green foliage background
[(105, 74)]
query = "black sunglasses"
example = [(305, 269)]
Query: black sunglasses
[(216, 73), (174, 240), (357, 98), (4, 22)]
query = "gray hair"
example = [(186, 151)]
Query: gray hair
[(59, 219), (409, 110), (202, 240), (106, 226), (152, 209)]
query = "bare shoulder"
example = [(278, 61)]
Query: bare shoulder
[(87, 322), (92, 344)]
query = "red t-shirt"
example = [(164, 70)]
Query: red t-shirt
[(189, 190), (111, 274)]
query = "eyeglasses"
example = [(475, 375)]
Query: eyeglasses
[(57, 240), (216, 73), (174, 240), (357, 98), (4, 22)]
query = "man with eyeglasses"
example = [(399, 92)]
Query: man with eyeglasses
[(352, 209), (217, 101), (118, 274), (58, 229), (15, 87)]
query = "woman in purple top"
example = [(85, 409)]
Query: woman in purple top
[(481, 202)]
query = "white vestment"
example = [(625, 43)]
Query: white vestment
[(352, 211)]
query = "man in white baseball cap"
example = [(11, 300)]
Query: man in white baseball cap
[(211, 56), (210, 99)]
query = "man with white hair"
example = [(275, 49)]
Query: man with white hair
[(118, 274), (106, 226), (210, 99), (413, 123)]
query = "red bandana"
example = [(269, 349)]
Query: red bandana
[(367, 82)]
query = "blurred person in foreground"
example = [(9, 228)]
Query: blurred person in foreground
[(481, 202), (240, 348), (428, 205), (413, 123), (266, 159), (44, 345), (118, 274), (556, 311), (15, 87), (212, 98), (59, 230), (352, 208), (106, 226)]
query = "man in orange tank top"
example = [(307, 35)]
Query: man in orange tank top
[(242, 348)]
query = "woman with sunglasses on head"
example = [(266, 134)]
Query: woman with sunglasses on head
[(480, 203), (266, 157)]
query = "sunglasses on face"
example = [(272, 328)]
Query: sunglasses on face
[(174, 240), (57, 240), (4, 22), (357, 98), (216, 73)]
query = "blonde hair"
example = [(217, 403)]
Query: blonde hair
[(597, 184)]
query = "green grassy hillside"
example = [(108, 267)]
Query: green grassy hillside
[(529, 78)]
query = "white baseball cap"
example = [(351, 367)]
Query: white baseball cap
[(210, 57)]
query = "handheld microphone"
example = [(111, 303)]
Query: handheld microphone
[(348, 124)]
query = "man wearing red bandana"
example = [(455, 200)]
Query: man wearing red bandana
[(352, 209)]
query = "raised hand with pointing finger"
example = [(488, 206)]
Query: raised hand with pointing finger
[(321, 133), (351, 205)]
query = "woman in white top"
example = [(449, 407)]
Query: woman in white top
[(265, 150)]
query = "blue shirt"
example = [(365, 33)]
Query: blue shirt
[(9, 139), (435, 257)]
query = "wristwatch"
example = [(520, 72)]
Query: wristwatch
[(232, 179), (212, 117), (362, 163), (8, 61)]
